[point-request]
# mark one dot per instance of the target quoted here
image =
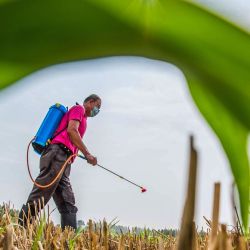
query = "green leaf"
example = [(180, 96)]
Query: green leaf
[(72, 241), (213, 54), (232, 135), (39, 232)]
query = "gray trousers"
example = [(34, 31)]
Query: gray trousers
[(51, 162)]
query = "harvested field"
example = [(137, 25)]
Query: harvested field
[(41, 233)]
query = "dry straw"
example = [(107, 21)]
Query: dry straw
[(42, 234)]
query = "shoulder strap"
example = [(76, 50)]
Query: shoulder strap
[(58, 133)]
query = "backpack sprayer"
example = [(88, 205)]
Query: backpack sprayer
[(44, 136)]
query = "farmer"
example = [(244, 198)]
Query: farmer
[(67, 141)]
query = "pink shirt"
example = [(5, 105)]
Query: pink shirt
[(77, 112)]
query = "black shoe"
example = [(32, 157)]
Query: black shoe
[(68, 219)]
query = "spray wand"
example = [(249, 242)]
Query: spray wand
[(143, 190)]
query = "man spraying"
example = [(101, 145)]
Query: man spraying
[(66, 142)]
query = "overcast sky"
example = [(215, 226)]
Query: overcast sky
[(141, 133)]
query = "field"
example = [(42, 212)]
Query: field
[(41, 233)]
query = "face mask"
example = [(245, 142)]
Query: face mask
[(94, 111)]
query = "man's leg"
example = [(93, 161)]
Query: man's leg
[(50, 164), (65, 201)]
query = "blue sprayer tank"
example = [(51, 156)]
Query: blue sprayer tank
[(48, 127)]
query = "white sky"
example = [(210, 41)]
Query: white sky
[(141, 133), (234, 10)]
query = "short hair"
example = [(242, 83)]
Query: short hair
[(93, 97)]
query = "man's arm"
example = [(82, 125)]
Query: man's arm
[(75, 138)]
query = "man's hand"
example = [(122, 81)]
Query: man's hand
[(91, 159)]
